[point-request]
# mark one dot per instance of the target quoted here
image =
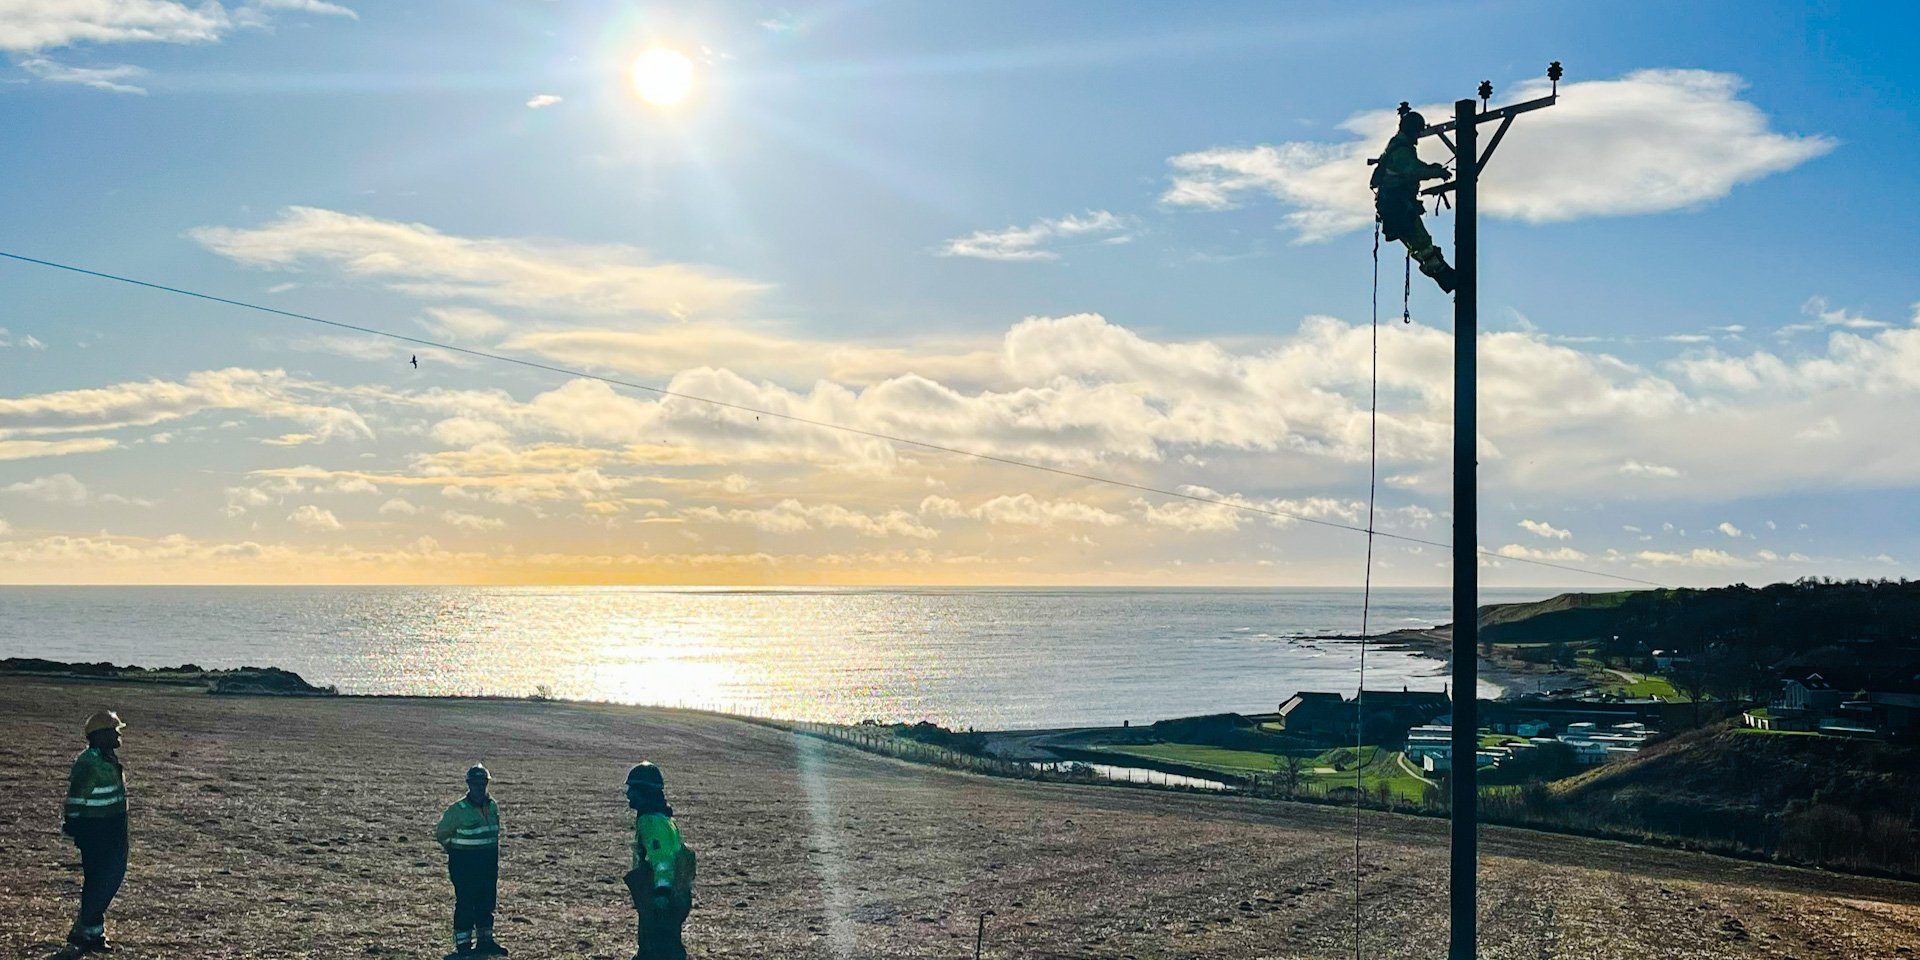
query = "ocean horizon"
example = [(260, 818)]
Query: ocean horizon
[(984, 657)]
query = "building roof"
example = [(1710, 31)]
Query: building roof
[(1299, 700)]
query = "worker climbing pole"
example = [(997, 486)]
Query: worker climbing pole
[(1397, 174), (1396, 179)]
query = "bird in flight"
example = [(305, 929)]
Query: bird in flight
[(415, 361)]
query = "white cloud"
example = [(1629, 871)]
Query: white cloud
[(1651, 141), (1698, 557), (398, 506), (1728, 529), (542, 100), (1032, 242), (314, 518), (607, 280), (27, 341), (1080, 390), (1824, 316), (1021, 510), (264, 393), (1544, 529), (1514, 551), (669, 350), (99, 78), (29, 25), (58, 488), (1767, 555), (471, 521), (1634, 468), (29, 449), (792, 516), (306, 6)]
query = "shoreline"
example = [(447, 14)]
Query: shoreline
[(1513, 678)]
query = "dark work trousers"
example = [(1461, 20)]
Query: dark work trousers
[(661, 919), (659, 929), (103, 865), (476, 878)]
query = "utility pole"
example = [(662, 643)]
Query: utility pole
[(1465, 767)]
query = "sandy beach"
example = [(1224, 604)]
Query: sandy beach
[(298, 827)]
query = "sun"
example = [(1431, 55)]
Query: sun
[(662, 77)]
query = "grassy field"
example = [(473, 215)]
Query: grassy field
[(1213, 758), (1377, 765), (1645, 686)]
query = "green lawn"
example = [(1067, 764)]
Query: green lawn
[(1218, 758), (1645, 686), (1377, 766)]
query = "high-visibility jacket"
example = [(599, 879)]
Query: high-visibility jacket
[(468, 827), (97, 789), (1400, 166), (656, 849)]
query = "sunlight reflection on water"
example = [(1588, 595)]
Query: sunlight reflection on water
[(987, 658)]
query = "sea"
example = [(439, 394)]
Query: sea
[(982, 658)]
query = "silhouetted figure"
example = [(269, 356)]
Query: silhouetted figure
[(415, 361), (1396, 197)]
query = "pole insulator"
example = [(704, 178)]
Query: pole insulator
[(1553, 74), (1486, 93)]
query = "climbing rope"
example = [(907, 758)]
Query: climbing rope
[(1406, 303), (1366, 588)]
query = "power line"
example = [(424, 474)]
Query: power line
[(806, 421)]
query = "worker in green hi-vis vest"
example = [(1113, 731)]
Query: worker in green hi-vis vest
[(661, 881), (95, 816), (470, 833)]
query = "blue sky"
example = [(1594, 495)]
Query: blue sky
[(1113, 238)]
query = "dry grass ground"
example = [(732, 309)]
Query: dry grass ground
[(300, 828)]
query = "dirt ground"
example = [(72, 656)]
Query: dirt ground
[(271, 827)]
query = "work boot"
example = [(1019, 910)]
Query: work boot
[(1437, 268), (488, 947), (99, 944)]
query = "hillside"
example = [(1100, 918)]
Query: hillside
[(1808, 799), (1805, 614)]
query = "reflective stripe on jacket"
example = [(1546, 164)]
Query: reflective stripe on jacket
[(97, 789), (656, 847), (467, 827)]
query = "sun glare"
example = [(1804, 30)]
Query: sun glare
[(662, 77)]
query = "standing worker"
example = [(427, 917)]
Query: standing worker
[(1396, 197), (96, 818), (661, 881), (470, 833)]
